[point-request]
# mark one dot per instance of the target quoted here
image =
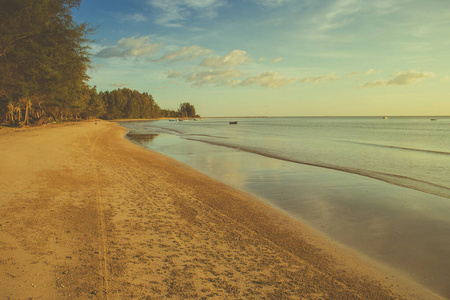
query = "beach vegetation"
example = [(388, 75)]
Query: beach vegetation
[(129, 104), (44, 59), (187, 110), (125, 103), (43, 56)]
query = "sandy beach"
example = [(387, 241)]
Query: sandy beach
[(84, 213)]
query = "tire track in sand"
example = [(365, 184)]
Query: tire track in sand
[(100, 216)]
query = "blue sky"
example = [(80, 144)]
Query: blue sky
[(276, 57)]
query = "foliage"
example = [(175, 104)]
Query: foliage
[(129, 104), (43, 55), (43, 63), (187, 110)]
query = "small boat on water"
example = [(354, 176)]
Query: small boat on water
[(233, 122), (384, 118), (433, 119)]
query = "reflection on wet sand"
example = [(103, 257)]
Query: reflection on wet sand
[(141, 138)]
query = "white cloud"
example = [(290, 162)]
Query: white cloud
[(185, 53), (339, 14), (401, 78), (130, 47), (233, 82), (218, 77), (353, 74), (134, 18), (174, 74), (375, 83), (409, 77), (232, 59), (278, 59), (169, 13), (172, 13), (319, 79), (384, 7), (271, 3), (269, 80)]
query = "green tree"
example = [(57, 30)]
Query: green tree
[(95, 107), (129, 104), (43, 57), (187, 110), (43, 64)]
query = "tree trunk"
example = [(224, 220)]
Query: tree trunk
[(18, 112), (10, 113), (27, 109), (42, 112)]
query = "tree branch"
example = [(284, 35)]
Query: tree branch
[(20, 37)]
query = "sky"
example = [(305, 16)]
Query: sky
[(276, 57)]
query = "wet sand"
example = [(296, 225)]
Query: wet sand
[(85, 213), (403, 228)]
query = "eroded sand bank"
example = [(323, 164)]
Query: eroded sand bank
[(84, 213)]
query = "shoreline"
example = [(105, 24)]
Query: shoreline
[(390, 224), (86, 213)]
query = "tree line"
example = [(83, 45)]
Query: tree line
[(131, 104), (44, 60)]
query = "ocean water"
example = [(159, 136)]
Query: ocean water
[(380, 186)]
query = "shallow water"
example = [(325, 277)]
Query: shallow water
[(398, 226), (412, 152)]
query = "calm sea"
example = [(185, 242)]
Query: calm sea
[(380, 186)]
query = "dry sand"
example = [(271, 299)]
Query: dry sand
[(84, 213)]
